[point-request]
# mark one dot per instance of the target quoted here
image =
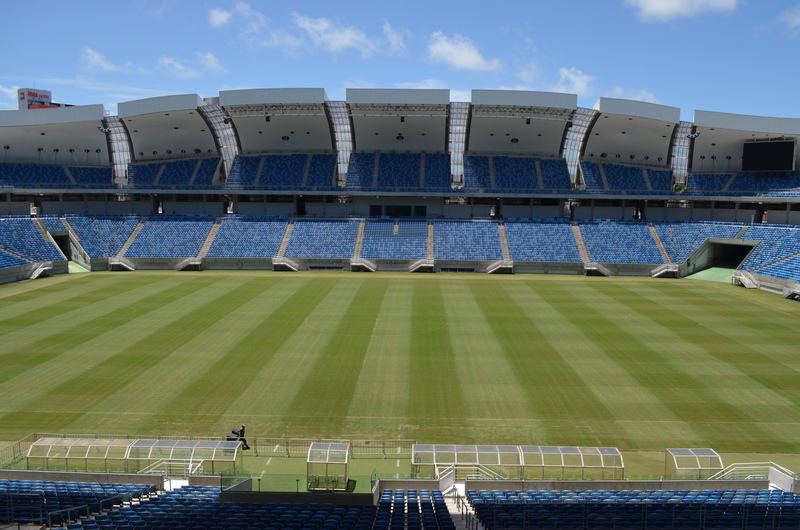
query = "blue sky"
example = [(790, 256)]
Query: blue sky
[(735, 56)]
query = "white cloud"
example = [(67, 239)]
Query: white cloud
[(218, 18), (397, 45), (791, 19), (641, 94), (325, 33), (460, 53), (529, 72), (94, 61), (208, 64), (9, 96), (666, 10), (248, 20), (574, 81)]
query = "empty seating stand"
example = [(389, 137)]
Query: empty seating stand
[(620, 242), (413, 510), (171, 236), (681, 239), (467, 241), (37, 502), (322, 239), (20, 237), (542, 240), (196, 507), (656, 509), (248, 237), (102, 236), (401, 240)]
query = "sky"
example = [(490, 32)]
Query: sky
[(737, 56)]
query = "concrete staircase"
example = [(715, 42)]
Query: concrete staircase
[(660, 244), (210, 238), (131, 238)]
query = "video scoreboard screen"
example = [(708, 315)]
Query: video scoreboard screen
[(776, 155)]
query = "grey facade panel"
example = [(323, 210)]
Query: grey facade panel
[(398, 96), (272, 96), (639, 109), (524, 98), (10, 118), (140, 107)]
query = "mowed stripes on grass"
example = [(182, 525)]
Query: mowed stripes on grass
[(636, 363)]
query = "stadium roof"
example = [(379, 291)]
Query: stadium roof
[(285, 120)]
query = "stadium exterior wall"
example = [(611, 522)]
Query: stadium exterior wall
[(69, 476), (615, 484), (23, 272)]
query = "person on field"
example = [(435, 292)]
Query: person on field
[(238, 434)]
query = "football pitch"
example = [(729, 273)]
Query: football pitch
[(635, 363)]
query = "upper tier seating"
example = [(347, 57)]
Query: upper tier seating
[(437, 171), (592, 178), (178, 172), (361, 170), (102, 236), (30, 501), (540, 240), (406, 240), (243, 171), (707, 182), (33, 175), (412, 509), (171, 236), (248, 237), (760, 181), (476, 172), (96, 176), (320, 239), (20, 237), (660, 179), (515, 172), (555, 174), (283, 170), (657, 509), (205, 175), (322, 170), (399, 170), (465, 240), (143, 175), (198, 507), (624, 177), (681, 239), (620, 242)]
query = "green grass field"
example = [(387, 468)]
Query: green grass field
[(635, 363)]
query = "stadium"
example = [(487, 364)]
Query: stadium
[(566, 317)]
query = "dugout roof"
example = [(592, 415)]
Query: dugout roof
[(91, 448), (514, 455), (692, 461)]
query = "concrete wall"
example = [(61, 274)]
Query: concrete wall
[(283, 497), (614, 484), (68, 476)]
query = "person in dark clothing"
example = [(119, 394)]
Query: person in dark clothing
[(240, 436)]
